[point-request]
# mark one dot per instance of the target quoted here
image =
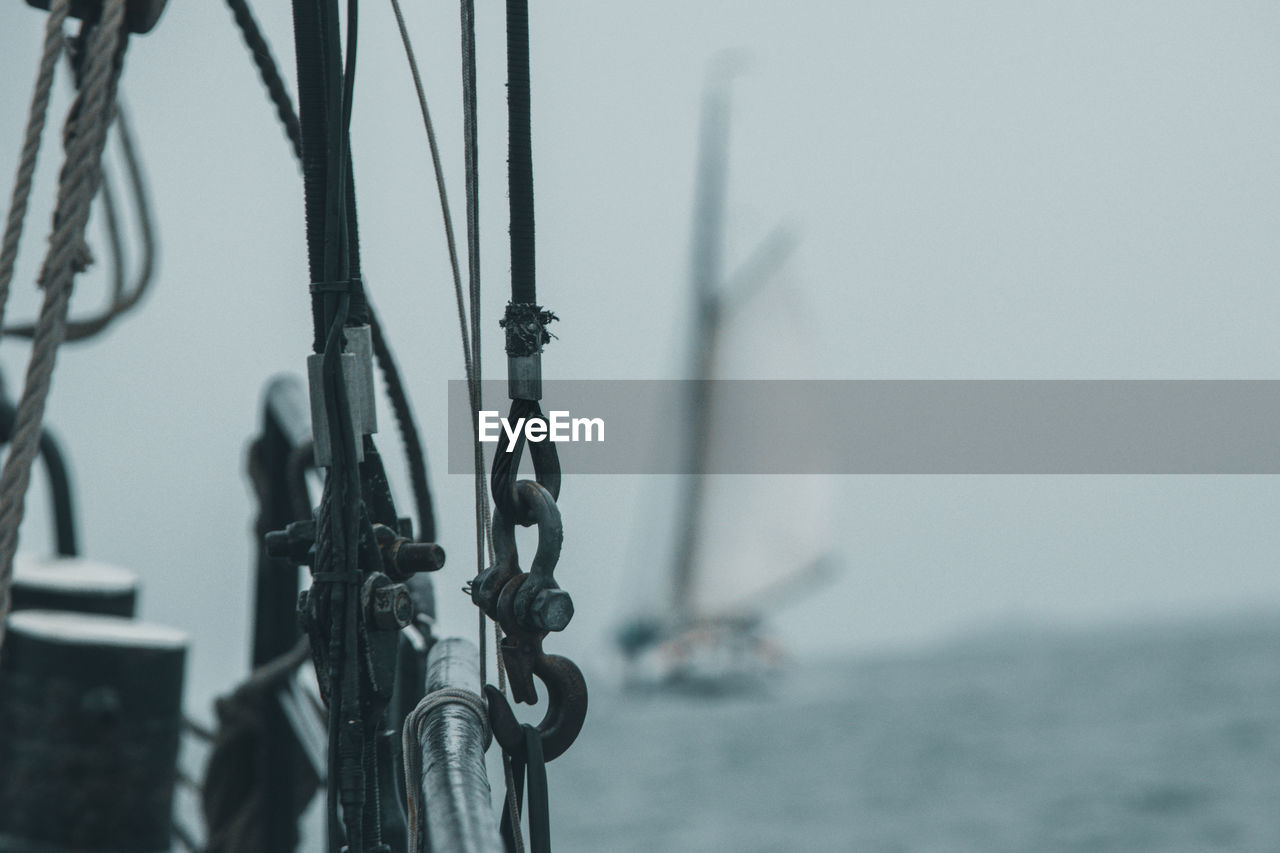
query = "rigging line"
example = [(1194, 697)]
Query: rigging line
[(472, 192), (268, 72), (122, 301), (468, 346), (409, 436), (356, 784), (470, 340), (78, 181), (53, 44)]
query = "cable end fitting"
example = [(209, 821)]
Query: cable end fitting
[(524, 377)]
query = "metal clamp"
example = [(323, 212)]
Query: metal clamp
[(518, 601), (357, 373)]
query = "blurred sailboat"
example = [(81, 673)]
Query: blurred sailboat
[(744, 547)]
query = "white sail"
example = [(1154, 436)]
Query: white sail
[(760, 537)]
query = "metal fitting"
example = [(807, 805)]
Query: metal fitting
[(319, 412), (402, 558), (294, 543), (387, 606), (363, 399), (551, 610), (524, 377)]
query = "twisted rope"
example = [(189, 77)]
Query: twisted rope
[(86, 136), (122, 300), (411, 742), (267, 70), (53, 42)]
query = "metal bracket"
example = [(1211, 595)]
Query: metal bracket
[(524, 377), (139, 15), (357, 372)]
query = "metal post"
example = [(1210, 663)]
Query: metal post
[(455, 786), (285, 431), (89, 733)]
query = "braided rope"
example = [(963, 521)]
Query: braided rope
[(86, 135), (267, 70), (53, 42), (412, 735)]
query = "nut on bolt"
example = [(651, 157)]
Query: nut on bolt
[(389, 607), (551, 610)]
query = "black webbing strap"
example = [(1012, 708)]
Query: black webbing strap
[(539, 805), (525, 321), (520, 154)]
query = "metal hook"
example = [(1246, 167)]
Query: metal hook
[(566, 708)]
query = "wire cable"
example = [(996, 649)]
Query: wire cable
[(411, 441)]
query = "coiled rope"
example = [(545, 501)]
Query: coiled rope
[(86, 133)]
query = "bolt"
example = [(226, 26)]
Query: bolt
[(390, 607), (293, 543), (551, 611), (413, 557), (277, 542)]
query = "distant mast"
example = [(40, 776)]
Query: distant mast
[(705, 268)]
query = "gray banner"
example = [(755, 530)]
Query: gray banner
[(904, 427)]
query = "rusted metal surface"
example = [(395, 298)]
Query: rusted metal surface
[(528, 606), (566, 707)]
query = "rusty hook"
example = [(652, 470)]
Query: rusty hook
[(566, 708)]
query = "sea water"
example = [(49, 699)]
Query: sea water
[(1142, 739)]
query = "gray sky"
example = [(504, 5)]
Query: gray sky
[(984, 190)]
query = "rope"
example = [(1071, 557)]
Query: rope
[(267, 70), (91, 114), (412, 749), (53, 42), (410, 439), (470, 338), (122, 301), (475, 388)]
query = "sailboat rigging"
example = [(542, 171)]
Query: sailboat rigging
[(350, 678)]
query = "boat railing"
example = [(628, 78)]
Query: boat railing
[(451, 805)]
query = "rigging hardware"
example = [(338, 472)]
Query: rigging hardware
[(140, 16)]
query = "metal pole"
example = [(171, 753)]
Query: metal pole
[(455, 786)]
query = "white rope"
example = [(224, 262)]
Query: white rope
[(412, 746), (86, 136)]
